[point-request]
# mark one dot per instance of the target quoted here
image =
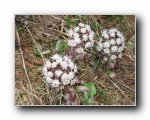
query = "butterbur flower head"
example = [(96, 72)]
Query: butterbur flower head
[(59, 71), (81, 39), (111, 45)]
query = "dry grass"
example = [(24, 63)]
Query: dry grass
[(38, 34)]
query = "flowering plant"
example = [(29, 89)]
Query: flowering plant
[(81, 38), (60, 71), (111, 45)]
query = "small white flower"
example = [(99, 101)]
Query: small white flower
[(50, 74), (55, 83), (120, 49), (112, 32), (72, 43), (106, 51), (79, 50), (58, 73), (75, 35), (44, 69), (88, 28), (72, 82), (81, 25), (76, 29), (64, 76), (112, 42), (49, 80), (55, 57), (120, 55), (91, 35), (119, 34), (71, 75), (66, 82), (118, 40), (105, 59), (88, 44), (75, 68), (54, 64), (113, 57), (85, 37), (70, 33), (77, 40), (92, 42), (105, 34), (106, 44), (64, 65), (100, 46), (114, 48), (122, 39), (66, 58), (59, 60), (48, 64), (71, 65), (83, 30)]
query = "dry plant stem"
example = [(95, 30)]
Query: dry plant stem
[(33, 95), (56, 31), (38, 46), (97, 65), (24, 67), (120, 90), (60, 97), (47, 88)]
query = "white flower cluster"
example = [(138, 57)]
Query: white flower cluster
[(59, 71), (81, 37), (111, 44)]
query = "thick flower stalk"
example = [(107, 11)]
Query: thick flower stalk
[(81, 38), (111, 45), (60, 71)]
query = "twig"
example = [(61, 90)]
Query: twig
[(38, 47), (62, 27), (120, 90), (60, 97), (33, 95), (24, 67)]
